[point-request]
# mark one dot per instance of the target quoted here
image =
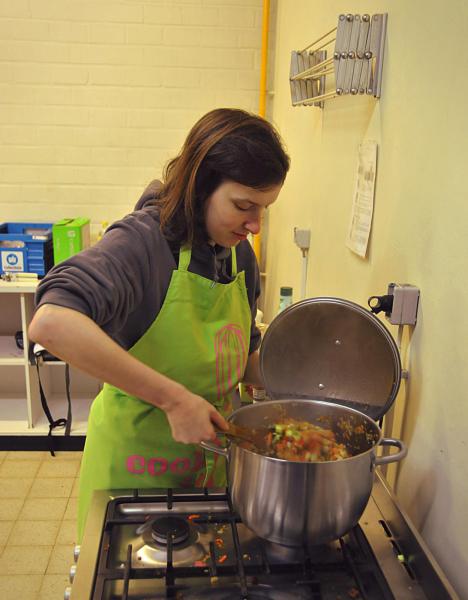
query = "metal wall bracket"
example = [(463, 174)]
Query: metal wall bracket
[(355, 67)]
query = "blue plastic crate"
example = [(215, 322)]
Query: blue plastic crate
[(26, 248)]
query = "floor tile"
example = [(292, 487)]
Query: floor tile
[(15, 488), (34, 533), (53, 587), (5, 530), (10, 508), (53, 487), (72, 455), (72, 509), (18, 469), (58, 468), (41, 509), (26, 455), (61, 560), (76, 488), (68, 532), (18, 587), (38, 507), (24, 560)]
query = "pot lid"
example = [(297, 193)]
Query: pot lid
[(331, 349)]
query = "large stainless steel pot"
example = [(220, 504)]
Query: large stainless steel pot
[(290, 502)]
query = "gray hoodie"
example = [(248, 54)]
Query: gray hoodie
[(121, 282)]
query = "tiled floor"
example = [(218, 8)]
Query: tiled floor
[(38, 502)]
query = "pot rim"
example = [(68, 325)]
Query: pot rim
[(324, 403)]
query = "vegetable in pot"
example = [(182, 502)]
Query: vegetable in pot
[(305, 442)]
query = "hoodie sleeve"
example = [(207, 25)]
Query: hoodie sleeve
[(128, 271)]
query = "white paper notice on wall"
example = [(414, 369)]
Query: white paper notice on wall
[(363, 199)]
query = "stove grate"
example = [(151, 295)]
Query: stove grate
[(127, 570), (356, 565)]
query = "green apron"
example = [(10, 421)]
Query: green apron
[(200, 338)]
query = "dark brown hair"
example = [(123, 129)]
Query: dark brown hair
[(224, 145)]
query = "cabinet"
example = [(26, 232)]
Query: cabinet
[(21, 411)]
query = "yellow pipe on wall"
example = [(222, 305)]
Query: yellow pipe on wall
[(262, 99), (264, 58)]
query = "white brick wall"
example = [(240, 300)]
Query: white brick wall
[(95, 97)]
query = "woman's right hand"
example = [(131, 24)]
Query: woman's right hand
[(192, 418), (78, 341)]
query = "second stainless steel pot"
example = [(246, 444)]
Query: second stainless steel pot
[(290, 502)]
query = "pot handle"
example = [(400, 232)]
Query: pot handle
[(214, 448), (383, 460)]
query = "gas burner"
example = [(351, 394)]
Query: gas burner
[(170, 527), (190, 542), (281, 553)]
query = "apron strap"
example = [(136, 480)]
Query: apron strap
[(233, 262), (185, 255), (53, 423)]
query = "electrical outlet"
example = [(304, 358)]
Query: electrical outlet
[(404, 310)]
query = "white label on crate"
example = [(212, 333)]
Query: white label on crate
[(12, 261)]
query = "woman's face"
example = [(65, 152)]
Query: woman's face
[(234, 210)]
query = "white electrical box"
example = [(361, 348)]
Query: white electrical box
[(302, 238), (404, 309)]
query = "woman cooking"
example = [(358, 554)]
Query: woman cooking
[(162, 310)]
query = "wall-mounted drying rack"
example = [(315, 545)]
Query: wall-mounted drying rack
[(355, 67)]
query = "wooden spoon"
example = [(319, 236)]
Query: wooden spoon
[(257, 437)]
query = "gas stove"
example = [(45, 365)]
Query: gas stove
[(191, 545)]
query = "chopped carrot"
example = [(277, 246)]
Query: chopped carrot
[(191, 517)]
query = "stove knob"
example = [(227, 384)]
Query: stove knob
[(72, 573), (76, 552), (67, 594)]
